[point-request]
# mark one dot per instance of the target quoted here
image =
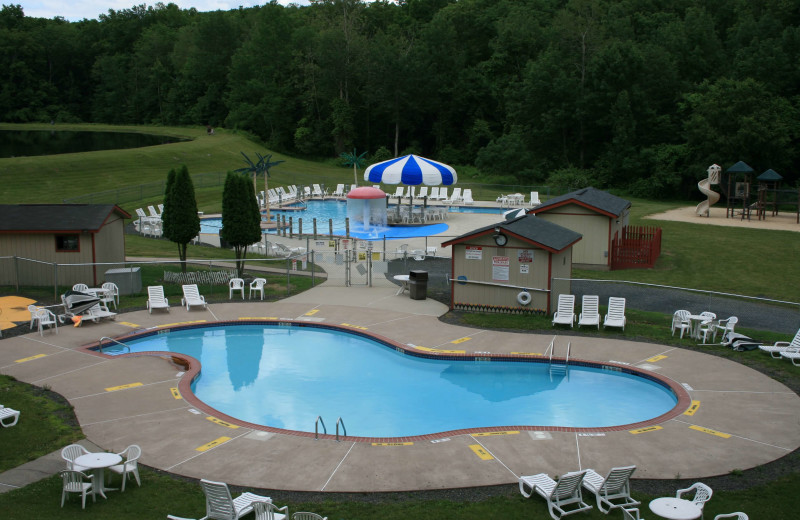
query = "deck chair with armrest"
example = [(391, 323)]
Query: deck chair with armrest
[(563, 497), (612, 491), (615, 317), (466, 198), (398, 192), (724, 326), (782, 346), (698, 493), (738, 516), (220, 505), (192, 296), (72, 452), (8, 416), (111, 294), (339, 191), (442, 193), (434, 193), (565, 314), (792, 355), (534, 199), (455, 197), (266, 510), (130, 466), (156, 298), (77, 482), (305, 515), (590, 314), (681, 321), (257, 286), (631, 513), (423, 192), (235, 284)]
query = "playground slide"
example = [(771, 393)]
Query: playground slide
[(713, 197)]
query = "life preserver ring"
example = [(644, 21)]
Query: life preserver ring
[(524, 298)]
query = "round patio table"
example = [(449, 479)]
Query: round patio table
[(675, 508), (98, 462)]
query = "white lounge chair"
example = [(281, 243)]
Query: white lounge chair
[(700, 495), (442, 193), (792, 355), (467, 197), (130, 466), (219, 503), (192, 296), (339, 191), (565, 314), (590, 314), (257, 286), (559, 495), (285, 250), (318, 192), (423, 192), (8, 417), (156, 298), (77, 482), (455, 198), (434, 193), (534, 199), (612, 491), (737, 516), (680, 320), (398, 192), (268, 511), (235, 284), (775, 349), (615, 317)]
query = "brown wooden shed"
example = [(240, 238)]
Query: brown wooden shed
[(509, 266), (62, 234)]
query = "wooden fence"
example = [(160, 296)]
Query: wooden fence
[(636, 247)]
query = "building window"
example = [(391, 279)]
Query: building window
[(69, 243)]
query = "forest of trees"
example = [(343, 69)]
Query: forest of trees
[(641, 95)]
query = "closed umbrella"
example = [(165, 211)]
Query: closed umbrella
[(411, 170)]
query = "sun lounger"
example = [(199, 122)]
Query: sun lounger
[(612, 491), (192, 296), (563, 497)]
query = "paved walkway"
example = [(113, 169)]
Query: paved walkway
[(739, 418)]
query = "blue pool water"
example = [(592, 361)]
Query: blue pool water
[(285, 376), (336, 210)]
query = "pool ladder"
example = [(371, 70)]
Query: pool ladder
[(100, 343), (325, 430), (558, 367)]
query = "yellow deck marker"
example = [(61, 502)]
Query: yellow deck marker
[(526, 353), (129, 324), (258, 318), (175, 393), (710, 431), (311, 313), (392, 443), (693, 408), (23, 360), (439, 351), (122, 387), (646, 430), (353, 326), (480, 452), (656, 358), (460, 340), (212, 444), (222, 423), (490, 434), (181, 323)]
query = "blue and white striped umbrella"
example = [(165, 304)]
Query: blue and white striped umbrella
[(411, 170)]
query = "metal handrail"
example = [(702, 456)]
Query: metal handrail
[(100, 343), (344, 429), (316, 427), (550, 349)]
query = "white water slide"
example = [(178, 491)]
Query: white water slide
[(705, 188)]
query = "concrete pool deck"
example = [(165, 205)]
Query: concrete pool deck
[(739, 418)]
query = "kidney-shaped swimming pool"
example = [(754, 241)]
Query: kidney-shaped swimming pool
[(284, 375)]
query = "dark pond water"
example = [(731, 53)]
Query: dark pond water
[(20, 143)]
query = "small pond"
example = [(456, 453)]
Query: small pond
[(23, 143)]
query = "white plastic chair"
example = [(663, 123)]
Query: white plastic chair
[(46, 317), (268, 511), (220, 505), (631, 513), (680, 320), (111, 294), (615, 317), (737, 516), (235, 284), (304, 515), (257, 286), (702, 494), (32, 309), (590, 313), (80, 287), (612, 491), (725, 326), (130, 466), (705, 326), (77, 482), (192, 296), (72, 452), (565, 314), (559, 495), (156, 298)]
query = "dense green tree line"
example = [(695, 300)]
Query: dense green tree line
[(636, 94)]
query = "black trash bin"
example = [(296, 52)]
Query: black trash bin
[(418, 285)]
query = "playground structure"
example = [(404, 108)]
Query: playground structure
[(705, 188), (737, 185)]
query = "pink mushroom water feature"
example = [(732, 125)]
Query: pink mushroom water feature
[(366, 209)]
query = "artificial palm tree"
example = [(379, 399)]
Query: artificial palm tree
[(262, 166)]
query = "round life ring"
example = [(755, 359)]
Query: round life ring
[(524, 298)]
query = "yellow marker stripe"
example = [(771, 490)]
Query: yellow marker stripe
[(212, 444), (258, 318), (353, 326), (222, 423), (527, 353), (122, 387), (311, 313), (693, 408), (175, 393), (490, 434), (428, 349), (656, 358), (646, 430), (392, 443), (129, 324), (23, 360), (710, 431), (460, 340), (181, 323), (480, 452)]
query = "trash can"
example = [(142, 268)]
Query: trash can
[(128, 280), (418, 285)]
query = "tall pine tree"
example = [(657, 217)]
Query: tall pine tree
[(181, 222), (241, 218)]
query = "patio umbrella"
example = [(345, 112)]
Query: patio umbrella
[(411, 170)]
